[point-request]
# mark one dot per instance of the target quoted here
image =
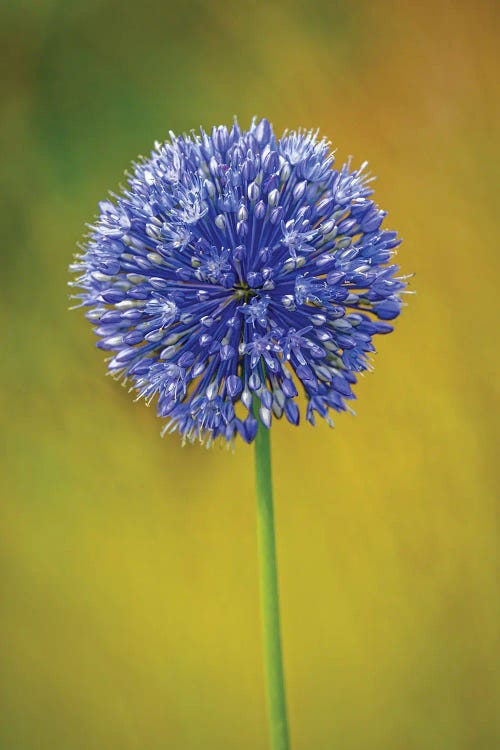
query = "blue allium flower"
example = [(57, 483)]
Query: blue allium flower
[(236, 268)]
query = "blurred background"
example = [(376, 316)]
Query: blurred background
[(129, 605)]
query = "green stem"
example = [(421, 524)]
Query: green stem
[(273, 659)]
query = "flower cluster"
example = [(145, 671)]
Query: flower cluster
[(235, 269)]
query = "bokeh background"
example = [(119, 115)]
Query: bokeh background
[(129, 604)]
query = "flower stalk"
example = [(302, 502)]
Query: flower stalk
[(269, 593)]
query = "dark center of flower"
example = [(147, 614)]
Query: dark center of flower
[(244, 293)]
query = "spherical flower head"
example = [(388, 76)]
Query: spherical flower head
[(234, 270)]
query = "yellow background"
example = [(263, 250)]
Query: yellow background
[(129, 604)]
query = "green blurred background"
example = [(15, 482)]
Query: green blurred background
[(129, 604)]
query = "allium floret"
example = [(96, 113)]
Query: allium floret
[(235, 269)]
